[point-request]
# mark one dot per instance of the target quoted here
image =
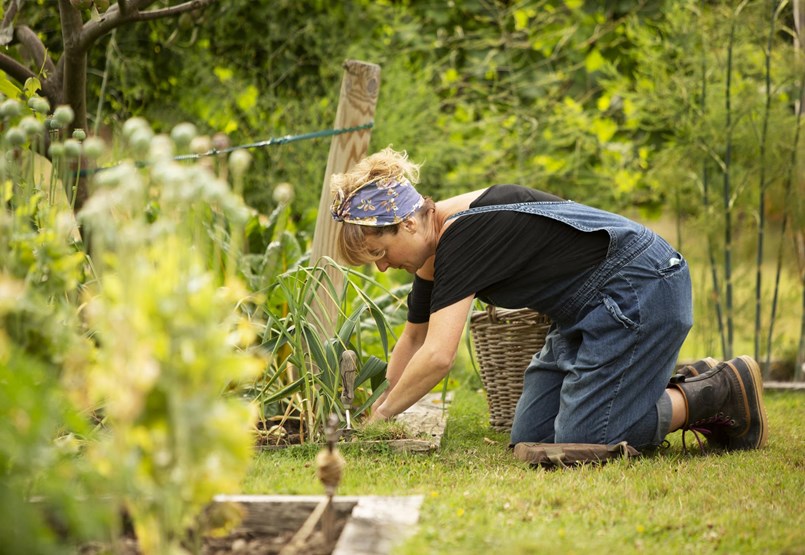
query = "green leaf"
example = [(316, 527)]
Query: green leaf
[(372, 369), (8, 88), (450, 76), (285, 392), (348, 327), (318, 351), (32, 85), (520, 20), (594, 61), (248, 98), (626, 181), (376, 393), (604, 129), (223, 73)]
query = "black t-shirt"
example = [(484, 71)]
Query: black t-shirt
[(505, 257)]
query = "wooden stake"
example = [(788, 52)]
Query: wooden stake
[(356, 106)]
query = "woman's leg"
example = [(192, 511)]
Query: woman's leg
[(537, 407), (623, 350)]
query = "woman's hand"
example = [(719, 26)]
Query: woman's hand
[(377, 414), (380, 400)]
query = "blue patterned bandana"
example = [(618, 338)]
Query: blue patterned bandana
[(379, 203)]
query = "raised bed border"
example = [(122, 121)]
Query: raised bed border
[(375, 524)]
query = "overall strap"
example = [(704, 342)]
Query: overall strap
[(528, 207)]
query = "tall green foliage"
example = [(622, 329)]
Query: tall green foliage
[(621, 105)]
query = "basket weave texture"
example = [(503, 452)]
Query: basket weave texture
[(505, 340)]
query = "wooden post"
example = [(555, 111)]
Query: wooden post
[(356, 106)]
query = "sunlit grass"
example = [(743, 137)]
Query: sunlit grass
[(479, 499)]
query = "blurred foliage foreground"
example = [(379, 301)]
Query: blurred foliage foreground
[(138, 378)]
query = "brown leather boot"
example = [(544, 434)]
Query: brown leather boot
[(726, 404)]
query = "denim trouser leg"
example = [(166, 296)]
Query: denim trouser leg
[(600, 378)]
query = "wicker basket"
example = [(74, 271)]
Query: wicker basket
[(505, 340)]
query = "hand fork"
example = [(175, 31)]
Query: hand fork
[(348, 367)]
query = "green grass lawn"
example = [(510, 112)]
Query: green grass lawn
[(479, 499)]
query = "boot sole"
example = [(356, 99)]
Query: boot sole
[(755, 435)]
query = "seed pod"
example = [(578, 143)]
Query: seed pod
[(15, 136), (134, 124), (239, 162), (63, 115), (94, 147), (31, 126), (140, 140), (220, 141), (79, 134), (201, 144), (283, 193), (183, 133), (72, 148), (161, 148), (56, 150), (10, 108), (39, 104)]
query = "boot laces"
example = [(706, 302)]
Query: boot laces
[(706, 427)]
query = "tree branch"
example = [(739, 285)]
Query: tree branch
[(123, 13), (34, 48), (175, 10), (71, 25), (14, 69), (7, 27)]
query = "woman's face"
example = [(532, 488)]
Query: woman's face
[(405, 250)]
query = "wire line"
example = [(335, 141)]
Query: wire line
[(273, 141)]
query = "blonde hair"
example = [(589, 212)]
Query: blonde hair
[(387, 163)]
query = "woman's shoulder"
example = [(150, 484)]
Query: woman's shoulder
[(459, 202), (508, 194)]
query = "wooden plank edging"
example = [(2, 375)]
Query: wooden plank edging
[(783, 386), (375, 524)]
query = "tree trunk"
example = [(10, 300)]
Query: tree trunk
[(74, 81)]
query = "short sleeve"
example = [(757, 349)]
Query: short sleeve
[(419, 301)]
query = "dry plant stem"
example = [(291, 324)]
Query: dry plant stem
[(328, 520), (706, 201), (762, 184), (727, 191), (297, 543)]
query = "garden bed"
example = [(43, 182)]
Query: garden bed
[(424, 424), (368, 525), (268, 524)]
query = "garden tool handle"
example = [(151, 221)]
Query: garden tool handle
[(349, 367)]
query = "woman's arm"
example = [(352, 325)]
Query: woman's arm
[(430, 362), (411, 339)]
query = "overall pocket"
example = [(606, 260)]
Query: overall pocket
[(672, 265)]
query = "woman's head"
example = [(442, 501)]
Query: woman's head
[(373, 199)]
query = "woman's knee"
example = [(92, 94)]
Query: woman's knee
[(577, 435)]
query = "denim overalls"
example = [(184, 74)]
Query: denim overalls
[(601, 376)]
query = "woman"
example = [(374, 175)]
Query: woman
[(618, 295)]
